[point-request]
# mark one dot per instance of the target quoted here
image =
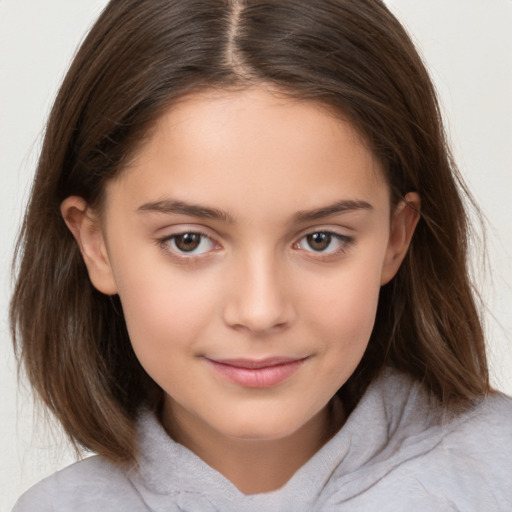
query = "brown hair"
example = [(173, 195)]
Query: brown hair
[(139, 58)]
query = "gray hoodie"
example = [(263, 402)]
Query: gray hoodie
[(398, 451)]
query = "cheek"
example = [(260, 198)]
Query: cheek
[(163, 309), (344, 314), (165, 322), (348, 320)]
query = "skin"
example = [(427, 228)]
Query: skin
[(296, 236)]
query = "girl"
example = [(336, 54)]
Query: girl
[(242, 273)]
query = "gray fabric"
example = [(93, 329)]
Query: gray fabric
[(398, 451)]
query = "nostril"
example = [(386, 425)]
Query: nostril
[(257, 320), (258, 328)]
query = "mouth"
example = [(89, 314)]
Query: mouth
[(253, 373)]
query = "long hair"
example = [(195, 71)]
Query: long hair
[(352, 56)]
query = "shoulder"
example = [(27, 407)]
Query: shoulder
[(409, 453), (490, 420), (91, 484), (468, 463), (481, 438)]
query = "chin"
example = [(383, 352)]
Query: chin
[(263, 426)]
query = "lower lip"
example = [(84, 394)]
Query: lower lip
[(266, 377)]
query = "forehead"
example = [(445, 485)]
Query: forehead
[(257, 143)]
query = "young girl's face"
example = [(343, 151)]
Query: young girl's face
[(248, 241)]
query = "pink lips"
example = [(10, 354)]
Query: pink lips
[(256, 374)]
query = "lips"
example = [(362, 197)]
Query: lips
[(252, 373)]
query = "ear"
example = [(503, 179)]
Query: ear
[(85, 226), (403, 223)]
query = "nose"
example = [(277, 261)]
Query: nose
[(259, 300)]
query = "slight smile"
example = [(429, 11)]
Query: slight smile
[(251, 373)]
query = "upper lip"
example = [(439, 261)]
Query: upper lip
[(257, 363)]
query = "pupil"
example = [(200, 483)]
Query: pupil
[(319, 241), (188, 241)]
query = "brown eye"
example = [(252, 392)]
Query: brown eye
[(319, 241), (188, 244), (324, 242), (188, 241)]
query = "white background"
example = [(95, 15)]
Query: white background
[(468, 48)]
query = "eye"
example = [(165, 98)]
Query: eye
[(325, 242), (189, 243)]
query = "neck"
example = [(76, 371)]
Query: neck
[(255, 466)]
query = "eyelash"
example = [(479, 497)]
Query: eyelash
[(165, 244), (344, 242)]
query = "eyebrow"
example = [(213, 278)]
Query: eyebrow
[(181, 207), (333, 209), (170, 206)]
